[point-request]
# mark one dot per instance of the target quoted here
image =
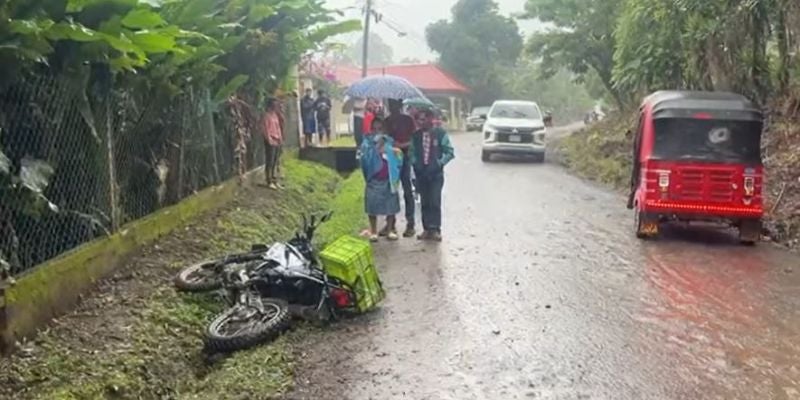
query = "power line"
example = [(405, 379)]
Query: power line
[(365, 52)]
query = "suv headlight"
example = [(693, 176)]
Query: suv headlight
[(489, 132), (539, 135)]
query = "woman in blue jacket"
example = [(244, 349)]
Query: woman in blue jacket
[(381, 163)]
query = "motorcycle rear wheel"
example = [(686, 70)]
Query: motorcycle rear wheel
[(203, 277), (198, 278), (241, 327)]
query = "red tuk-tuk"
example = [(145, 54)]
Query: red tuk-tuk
[(697, 157)]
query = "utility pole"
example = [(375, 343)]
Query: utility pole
[(365, 51)]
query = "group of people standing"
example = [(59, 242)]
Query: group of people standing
[(389, 151), (315, 114)]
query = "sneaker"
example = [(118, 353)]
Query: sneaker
[(436, 236), (280, 186), (373, 238), (273, 186), (392, 236), (384, 232), (409, 232), (425, 235)]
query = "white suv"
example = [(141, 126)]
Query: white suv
[(514, 127)]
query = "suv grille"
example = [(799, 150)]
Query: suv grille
[(520, 131), (523, 138)]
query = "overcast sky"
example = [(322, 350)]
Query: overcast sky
[(411, 17)]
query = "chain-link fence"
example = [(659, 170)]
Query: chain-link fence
[(116, 155)]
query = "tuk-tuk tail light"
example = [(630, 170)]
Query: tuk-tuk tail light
[(749, 185), (663, 180), (703, 208)]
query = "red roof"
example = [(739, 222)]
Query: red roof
[(426, 77)]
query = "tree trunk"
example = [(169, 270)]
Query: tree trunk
[(716, 65), (760, 69), (607, 80), (782, 35)]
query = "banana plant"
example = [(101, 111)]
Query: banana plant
[(22, 192)]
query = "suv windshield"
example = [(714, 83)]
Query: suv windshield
[(519, 111), (480, 111), (708, 140)]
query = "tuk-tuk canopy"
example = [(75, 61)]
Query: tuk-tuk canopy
[(688, 104)]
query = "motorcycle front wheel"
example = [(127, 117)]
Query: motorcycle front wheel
[(244, 326)]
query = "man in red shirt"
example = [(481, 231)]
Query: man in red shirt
[(401, 127)]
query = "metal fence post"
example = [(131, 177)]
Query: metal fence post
[(112, 173), (208, 109)]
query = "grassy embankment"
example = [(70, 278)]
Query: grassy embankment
[(137, 338), (600, 152), (343, 141)]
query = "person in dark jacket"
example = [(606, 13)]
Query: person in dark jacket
[(400, 127), (323, 107), (308, 119), (429, 152)]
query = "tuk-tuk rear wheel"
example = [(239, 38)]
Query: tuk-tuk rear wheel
[(750, 231), (639, 221)]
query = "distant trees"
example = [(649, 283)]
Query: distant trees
[(379, 53), (634, 46), (476, 45)]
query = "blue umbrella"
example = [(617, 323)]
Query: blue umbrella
[(419, 102), (383, 87)]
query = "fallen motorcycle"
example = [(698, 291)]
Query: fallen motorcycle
[(206, 276), (268, 285)]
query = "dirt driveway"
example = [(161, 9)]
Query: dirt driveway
[(540, 291)]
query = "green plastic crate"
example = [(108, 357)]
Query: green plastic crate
[(350, 260)]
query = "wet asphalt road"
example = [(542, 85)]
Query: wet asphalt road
[(541, 291)]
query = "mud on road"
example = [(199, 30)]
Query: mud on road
[(541, 291)]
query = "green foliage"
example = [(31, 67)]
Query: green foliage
[(601, 152), (582, 39), (23, 193), (207, 40), (559, 92), (638, 46), (476, 45), (348, 206), (141, 56), (230, 88), (709, 45)]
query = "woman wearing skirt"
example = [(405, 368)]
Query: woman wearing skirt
[(381, 163)]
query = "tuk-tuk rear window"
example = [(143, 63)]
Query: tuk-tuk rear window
[(726, 141)]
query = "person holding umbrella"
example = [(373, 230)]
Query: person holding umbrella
[(400, 126)]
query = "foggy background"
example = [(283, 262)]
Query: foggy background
[(412, 17)]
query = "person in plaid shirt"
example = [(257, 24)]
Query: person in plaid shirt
[(429, 152)]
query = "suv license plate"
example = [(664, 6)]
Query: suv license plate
[(514, 138)]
